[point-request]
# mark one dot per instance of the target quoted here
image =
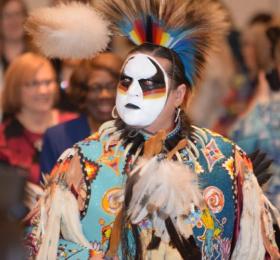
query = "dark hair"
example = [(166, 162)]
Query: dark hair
[(176, 72), (77, 91), (263, 18), (273, 34), (272, 76), (79, 78)]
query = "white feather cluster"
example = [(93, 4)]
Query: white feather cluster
[(165, 189), (59, 213), (249, 244), (73, 30)]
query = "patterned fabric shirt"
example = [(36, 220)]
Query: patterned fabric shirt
[(260, 129), (219, 165)]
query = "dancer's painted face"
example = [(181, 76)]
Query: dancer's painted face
[(142, 91)]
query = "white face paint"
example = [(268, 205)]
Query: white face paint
[(142, 91)]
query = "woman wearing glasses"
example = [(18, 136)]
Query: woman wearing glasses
[(29, 96), (92, 92)]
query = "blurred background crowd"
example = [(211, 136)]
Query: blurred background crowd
[(48, 105)]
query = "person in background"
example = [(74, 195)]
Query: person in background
[(259, 128), (218, 76), (92, 92), (13, 40), (255, 49), (29, 96)]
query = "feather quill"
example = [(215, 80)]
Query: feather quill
[(73, 30)]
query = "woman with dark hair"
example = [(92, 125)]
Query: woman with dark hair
[(13, 40), (149, 185)]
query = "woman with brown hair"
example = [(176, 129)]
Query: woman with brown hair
[(29, 96)]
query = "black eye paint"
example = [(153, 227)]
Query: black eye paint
[(155, 83), (125, 81)]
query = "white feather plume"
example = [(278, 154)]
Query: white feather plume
[(71, 227), (72, 30), (59, 214), (250, 244), (49, 225), (164, 189)]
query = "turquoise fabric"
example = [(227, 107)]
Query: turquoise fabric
[(107, 177), (214, 231), (104, 175)]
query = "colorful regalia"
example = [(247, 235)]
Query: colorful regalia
[(183, 193), (222, 170)]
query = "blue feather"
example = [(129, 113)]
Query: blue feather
[(180, 43)]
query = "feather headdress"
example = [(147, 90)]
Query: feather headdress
[(190, 28), (71, 30)]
